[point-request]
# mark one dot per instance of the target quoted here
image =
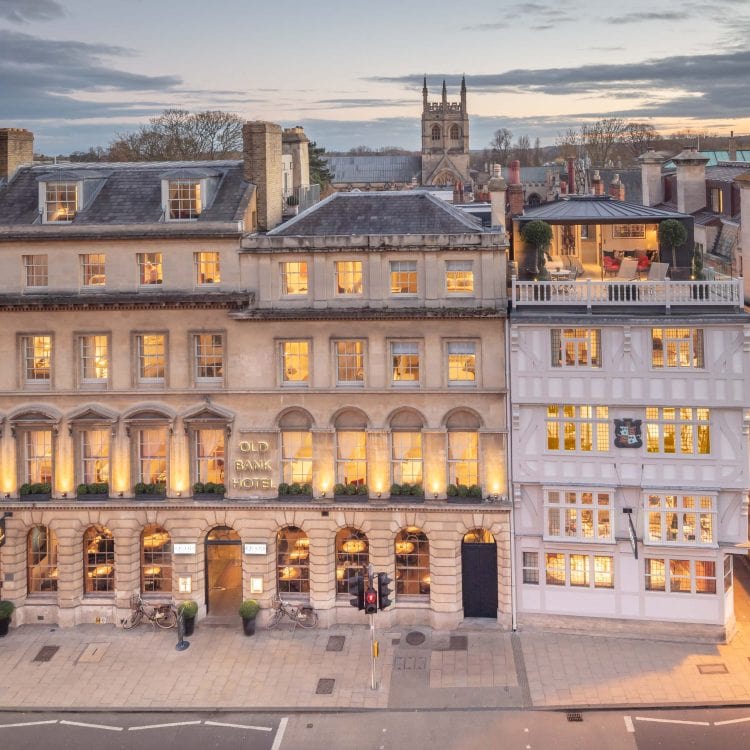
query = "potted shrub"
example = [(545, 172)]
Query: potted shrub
[(188, 609), (35, 491), (248, 612), (94, 488), (6, 610), (209, 490), (150, 491)]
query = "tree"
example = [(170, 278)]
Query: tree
[(570, 143), (522, 150), (638, 137), (319, 171), (600, 139), (92, 155), (538, 235), (500, 145), (672, 234), (178, 135)]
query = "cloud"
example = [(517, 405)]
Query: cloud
[(356, 103), (25, 11), (542, 17), (646, 17)]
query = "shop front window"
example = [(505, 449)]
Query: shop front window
[(98, 560), (352, 555), (156, 560), (412, 552), (41, 560), (292, 561)]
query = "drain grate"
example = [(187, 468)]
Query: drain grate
[(713, 669), (574, 716), (415, 638), (410, 664), (336, 643), (458, 643), (325, 686), (46, 653)]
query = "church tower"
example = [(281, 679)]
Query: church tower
[(445, 138)]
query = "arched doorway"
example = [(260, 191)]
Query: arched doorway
[(223, 572), (479, 574)]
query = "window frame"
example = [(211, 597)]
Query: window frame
[(200, 262), (406, 560), (195, 360), (105, 558), (592, 579), (352, 272), (457, 344), (584, 341), (530, 567), (408, 280), (349, 563), (80, 430), (694, 342), (24, 459), (284, 560), (142, 263), (678, 521), (150, 382), (670, 576), (197, 461), (566, 521), (160, 558), (596, 423), (29, 272), (656, 432), (285, 274), (343, 461), (175, 203), (453, 463), (361, 368), (46, 582), (628, 231), (452, 287), (85, 383), (416, 344), (397, 476), (139, 459), (61, 187), (28, 364), (287, 461), (92, 265), (282, 368)]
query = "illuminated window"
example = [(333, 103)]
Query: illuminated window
[(459, 277), (405, 358), (412, 552), (184, 200), (530, 567), (295, 362), (94, 456), (208, 357), (98, 561), (351, 457), (37, 359), (403, 277), (555, 568), (717, 200), (406, 457), (35, 271), (296, 457), (292, 561), (680, 519), (61, 202), (151, 348), (207, 268), (156, 560), (94, 354), (577, 428), (92, 269), (208, 455), (294, 278), (463, 458), (685, 576), (151, 444), (580, 571), (677, 347), (683, 430), (628, 231), (576, 347), (352, 554), (37, 457), (350, 362), (462, 362), (584, 515), (41, 560), (348, 277), (150, 269)]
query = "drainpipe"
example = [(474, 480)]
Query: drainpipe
[(509, 454)]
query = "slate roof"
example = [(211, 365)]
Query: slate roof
[(596, 209), (379, 212), (714, 157), (377, 169), (125, 193)]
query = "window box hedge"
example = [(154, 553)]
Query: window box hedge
[(295, 490), (150, 490), (35, 491), (350, 490), (209, 490), (97, 489), (415, 491)]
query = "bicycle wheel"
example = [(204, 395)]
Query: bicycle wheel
[(134, 620), (165, 617), (275, 618), (307, 617)]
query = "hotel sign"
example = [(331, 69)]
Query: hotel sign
[(253, 468), (256, 548), (183, 549)]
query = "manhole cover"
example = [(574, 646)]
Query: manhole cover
[(336, 643), (410, 664), (46, 653), (325, 686), (458, 643), (713, 668), (574, 716), (415, 638)]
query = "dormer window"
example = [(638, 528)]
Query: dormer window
[(61, 202), (184, 200), (186, 192)]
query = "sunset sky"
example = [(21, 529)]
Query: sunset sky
[(77, 72)]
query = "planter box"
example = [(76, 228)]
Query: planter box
[(38, 498), (350, 498), (208, 496), (296, 498), (150, 498), (93, 496)]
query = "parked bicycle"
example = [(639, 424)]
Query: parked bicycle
[(300, 614), (162, 615)]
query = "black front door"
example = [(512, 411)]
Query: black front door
[(479, 565)]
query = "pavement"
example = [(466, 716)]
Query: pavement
[(103, 667)]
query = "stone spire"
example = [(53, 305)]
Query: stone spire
[(424, 92), (445, 94), (463, 93)]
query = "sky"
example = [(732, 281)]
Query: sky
[(79, 72)]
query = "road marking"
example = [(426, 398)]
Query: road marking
[(236, 726), (91, 726), (629, 724), (731, 721), (279, 734), (163, 726), (28, 724), (674, 721)]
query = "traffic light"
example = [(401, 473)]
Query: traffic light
[(371, 601), (357, 590), (384, 591)]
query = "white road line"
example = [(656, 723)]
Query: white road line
[(236, 726), (279, 734), (674, 721), (731, 721), (629, 724), (163, 726), (28, 724), (91, 726)]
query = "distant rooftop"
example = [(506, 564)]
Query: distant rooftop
[(595, 209), (374, 169)]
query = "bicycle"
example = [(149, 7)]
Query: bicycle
[(162, 615), (300, 614)]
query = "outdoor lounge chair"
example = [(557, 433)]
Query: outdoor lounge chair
[(657, 272), (628, 270)]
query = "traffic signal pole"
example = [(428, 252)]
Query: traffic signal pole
[(373, 653)]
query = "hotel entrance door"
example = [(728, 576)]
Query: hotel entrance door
[(223, 572), (479, 565)]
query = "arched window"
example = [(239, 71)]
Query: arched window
[(156, 559), (292, 561), (296, 447), (455, 133), (463, 448), (478, 536), (98, 560), (412, 552), (41, 560), (352, 552), (436, 132)]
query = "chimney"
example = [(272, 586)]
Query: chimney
[(571, 175), (617, 189), (515, 188), (16, 150), (691, 180), (295, 142), (261, 152), (496, 187), (732, 147), (597, 186), (652, 186)]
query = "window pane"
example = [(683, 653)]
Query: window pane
[(603, 572), (149, 269), (151, 351), (352, 553), (459, 277), (35, 268), (555, 569), (98, 560), (412, 552), (207, 269), (579, 570), (462, 362), (296, 457), (655, 574), (152, 456), (295, 361), (94, 456), (208, 456), (184, 199), (156, 560), (405, 358), (294, 278), (37, 462), (351, 457), (463, 458), (61, 201), (292, 561), (404, 277), (350, 361), (92, 270), (41, 560), (349, 277), (209, 356), (94, 358), (407, 457), (531, 567)]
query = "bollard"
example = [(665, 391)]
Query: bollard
[(182, 644)]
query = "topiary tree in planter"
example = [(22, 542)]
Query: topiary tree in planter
[(248, 612), (6, 611), (697, 262), (538, 235), (672, 234), (188, 609)]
